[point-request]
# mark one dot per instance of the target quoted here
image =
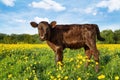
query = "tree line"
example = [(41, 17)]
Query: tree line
[(19, 38), (111, 37)]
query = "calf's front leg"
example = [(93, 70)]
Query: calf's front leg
[(58, 50), (58, 55)]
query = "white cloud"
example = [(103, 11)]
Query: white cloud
[(91, 10), (112, 5), (88, 10), (20, 20), (48, 5), (8, 2), (38, 19)]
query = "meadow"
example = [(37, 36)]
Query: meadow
[(36, 62)]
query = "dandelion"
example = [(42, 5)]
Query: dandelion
[(58, 76), (59, 63), (27, 68), (92, 60), (35, 62), (92, 65), (55, 79), (83, 59), (80, 62), (86, 57), (96, 63), (77, 61), (52, 77), (88, 60), (10, 76), (79, 56), (66, 77), (59, 68), (33, 71), (35, 78), (116, 77), (71, 59), (49, 72), (26, 58), (78, 66), (79, 78), (88, 74), (59, 79), (101, 76)]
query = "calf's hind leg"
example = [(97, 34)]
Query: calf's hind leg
[(88, 55), (93, 49), (96, 58)]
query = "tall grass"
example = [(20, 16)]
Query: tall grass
[(36, 62)]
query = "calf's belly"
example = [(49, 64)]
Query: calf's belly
[(75, 45)]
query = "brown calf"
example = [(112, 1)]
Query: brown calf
[(72, 36)]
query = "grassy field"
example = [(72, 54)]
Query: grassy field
[(36, 62)]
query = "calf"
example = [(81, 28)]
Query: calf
[(72, 36)]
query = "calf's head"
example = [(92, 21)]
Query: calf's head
[(44, 29)]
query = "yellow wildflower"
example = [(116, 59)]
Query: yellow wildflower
[(49, 72), (116, 77), (80, 62), (55, 79), (58, 76), (60, 68), (96, 63), (35, 78), (88, 60), (88, 74), (92, 60), (66, 77), (10, 75), (26, 58), (83, 60), (79, 78), (35, 62), (101, 76), (71, 59), (78, 66), (79, 56), (52, 77), (33, 71), (59, 63)]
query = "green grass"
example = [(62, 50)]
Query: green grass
[(38, 64)]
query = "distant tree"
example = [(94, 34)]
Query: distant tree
[(24, 38), (14, 38), (7, 40), (117, 36), (27, 38), (35, 39), (109, 36), (2, 37)]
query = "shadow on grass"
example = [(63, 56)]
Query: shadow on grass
[(105, 60)]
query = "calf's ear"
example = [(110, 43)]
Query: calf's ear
[(34, 24), (53, 24)]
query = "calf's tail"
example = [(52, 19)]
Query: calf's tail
[(98, 34)]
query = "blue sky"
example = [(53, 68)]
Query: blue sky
[(15, 15)]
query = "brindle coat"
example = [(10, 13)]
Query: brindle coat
[(71, 36)]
